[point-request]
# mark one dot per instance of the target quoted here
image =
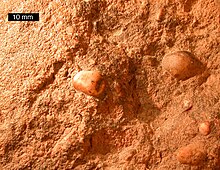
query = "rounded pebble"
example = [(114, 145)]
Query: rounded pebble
[(187, 105), (192, 154), (204, 128), (89, 82), (181, 65)]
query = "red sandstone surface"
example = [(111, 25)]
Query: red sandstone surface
[(146, 118)]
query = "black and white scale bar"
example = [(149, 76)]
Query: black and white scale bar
[(23, 16)]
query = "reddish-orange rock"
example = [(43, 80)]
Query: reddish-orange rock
[(204, 128), (89, 82), (182, 65), (192, 154)]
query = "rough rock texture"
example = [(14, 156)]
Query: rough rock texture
[(146, 118)]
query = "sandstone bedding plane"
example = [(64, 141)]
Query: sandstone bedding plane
[(110, 85)]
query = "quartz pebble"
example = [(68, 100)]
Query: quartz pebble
[(89, 82), (182, 65)]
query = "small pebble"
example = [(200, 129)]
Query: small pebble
[(89, 82), (69, 30), (204, 128), (160, 14), (181, 65), (187, 105), (192, 154)]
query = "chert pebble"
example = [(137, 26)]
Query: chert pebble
[(182, 65), (89, 82)]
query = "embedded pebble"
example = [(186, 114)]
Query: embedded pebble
[(160, 14), (204, 128), (182, 65), (187, 105), (192, 154), (89, 82), (70, 30)]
